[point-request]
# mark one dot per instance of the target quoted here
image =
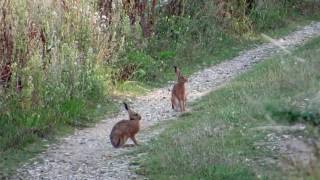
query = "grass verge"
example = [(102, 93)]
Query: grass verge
[(216, 140), (12, 157)]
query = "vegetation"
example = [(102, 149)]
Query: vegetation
[(61, 61), (49, 70), (218, 141), (201, 33)]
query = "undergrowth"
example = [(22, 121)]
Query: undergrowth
[(207, 33)]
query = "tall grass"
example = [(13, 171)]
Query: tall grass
[(57, 67), (203, 33)]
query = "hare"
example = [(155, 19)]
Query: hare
[(178, 93), (125, 129)]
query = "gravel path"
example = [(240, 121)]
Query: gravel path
[(88, 154)]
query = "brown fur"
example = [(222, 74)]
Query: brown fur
[(125, 129), (179, 94)]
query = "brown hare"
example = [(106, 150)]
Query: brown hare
[(178, 93), (125, 129)]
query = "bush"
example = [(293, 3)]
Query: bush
[(56, 63), (269, 15)]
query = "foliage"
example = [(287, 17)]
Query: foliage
[(194, 29), (58, 62)]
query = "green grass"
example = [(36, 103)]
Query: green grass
[(131, 88), (291, 23), (158, 75), (216, 140), (191, 58), (25, 146), (197, 40)]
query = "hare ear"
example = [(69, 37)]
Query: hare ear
[(126, 106), (176, 70)]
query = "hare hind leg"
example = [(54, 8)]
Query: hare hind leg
[(174, 102), (123, 141), (128, 145)]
